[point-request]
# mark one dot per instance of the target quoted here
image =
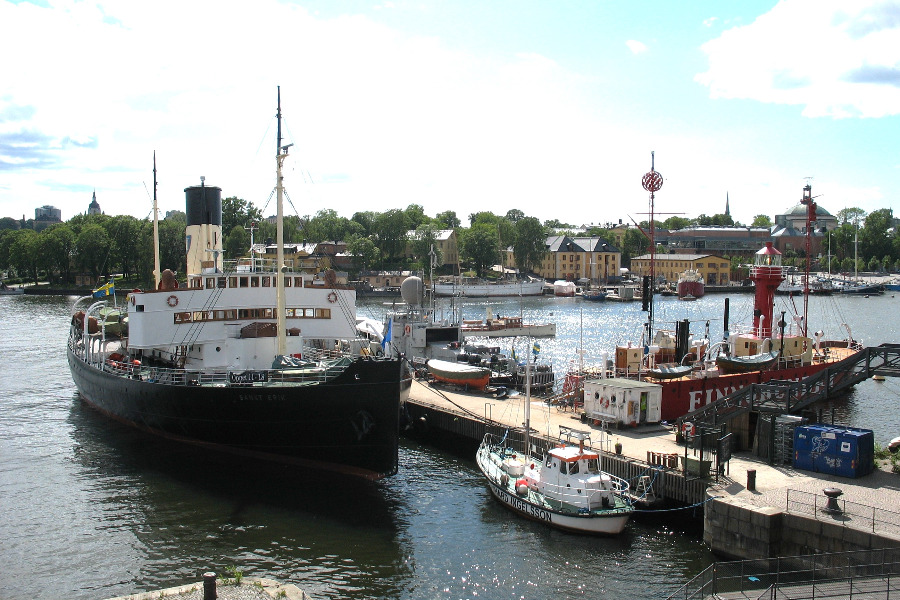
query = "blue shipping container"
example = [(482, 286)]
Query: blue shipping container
[(842, 451)]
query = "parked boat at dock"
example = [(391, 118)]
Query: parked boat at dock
[(220, 361), (471, 287), (469, 376), (566, 488), (690, 283), (507, 327), (6, 290), (768, 349)]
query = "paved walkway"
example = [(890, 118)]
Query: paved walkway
[(880, 489)]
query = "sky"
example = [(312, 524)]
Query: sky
[(552, 108)]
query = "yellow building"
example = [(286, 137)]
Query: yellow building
[(577, 258), (445, 243), (714, 270)]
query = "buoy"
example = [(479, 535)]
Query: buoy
[(521, 487)]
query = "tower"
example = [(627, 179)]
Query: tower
[(767, 273), (727, 208), (94, 206)]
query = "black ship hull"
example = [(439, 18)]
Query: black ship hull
[(348, 424)]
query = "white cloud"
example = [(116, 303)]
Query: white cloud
[(833, 58), (636, 47)]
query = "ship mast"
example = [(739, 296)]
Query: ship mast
[(156, 272), (810, 219), (281, 153), (652, 182)]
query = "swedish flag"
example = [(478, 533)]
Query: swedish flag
[(536, 348), (105, 290)]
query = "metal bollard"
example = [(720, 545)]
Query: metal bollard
[(751, 480), (209, 586)]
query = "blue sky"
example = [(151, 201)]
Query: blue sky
[(551, 108)]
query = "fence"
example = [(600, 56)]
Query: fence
[(849, 514), (862, 574)]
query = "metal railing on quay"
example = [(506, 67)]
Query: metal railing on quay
[(844, 512), (859, 574)]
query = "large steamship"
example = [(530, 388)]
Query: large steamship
[(251, 357)]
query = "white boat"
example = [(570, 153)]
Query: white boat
[(472, 287), (563, 288), (507, 327), (471, 376), (566, 488)]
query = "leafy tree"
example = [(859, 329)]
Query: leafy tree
[(850, 216), (415, 216), (515, 215), (236, 211), (93, 247), (761, 221), (390, 236), (172, 249), (26, 254), (479, 247), (327, 225), (366, 220), (634, 244), (675, 223), (364, 252), (59, 244), (448, 220), (874, 264), (237, 243), (847, 265), (556, 224), (874, 239), (8, 223), (484, 218), (530, 246)]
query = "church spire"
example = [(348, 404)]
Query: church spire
[(727, 208)]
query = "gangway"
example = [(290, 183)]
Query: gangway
[(787, 397)]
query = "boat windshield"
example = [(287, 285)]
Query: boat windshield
[(593, 465)]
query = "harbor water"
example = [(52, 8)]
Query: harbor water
[(91, 509)]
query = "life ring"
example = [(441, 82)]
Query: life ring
[(605, 403), (172, 300), (332, 297), (407, 329)]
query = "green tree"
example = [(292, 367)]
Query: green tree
[(556, 224), (874, 239), (60, 247), (366, 221), (761, 221), (634, 244), (479, 247), (847, 265), (850, 216), (26, 254), (236, 211), (675, 223), (93, 248), (237, 243), (531, 244), (415, 216), (515, 215), (364, 252), (390, 236), (8, 223), (448, 220), (172, 249)]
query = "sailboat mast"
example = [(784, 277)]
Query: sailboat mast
[(156, 271), (652, 182), (280, 155)]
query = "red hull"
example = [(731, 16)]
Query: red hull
[(694, 288), (687, 395)]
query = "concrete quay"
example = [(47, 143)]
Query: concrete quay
[(738, 522), (248, 589)]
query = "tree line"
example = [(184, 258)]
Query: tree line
[(99, 245)]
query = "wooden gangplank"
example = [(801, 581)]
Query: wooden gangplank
[(786, 397)]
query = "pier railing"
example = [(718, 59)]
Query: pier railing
[(860, 574), (844, 512)]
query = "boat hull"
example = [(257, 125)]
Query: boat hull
[(691, 288), (543, 330), (682, 396), (606, 522), (459, 374), (489, 290), (348, 425)]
